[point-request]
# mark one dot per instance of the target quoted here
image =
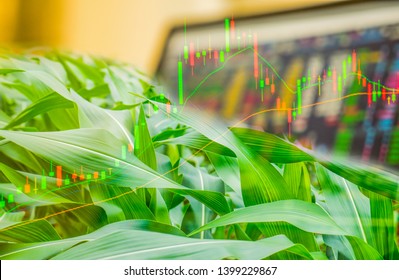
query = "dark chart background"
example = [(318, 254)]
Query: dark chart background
[(346, 127)]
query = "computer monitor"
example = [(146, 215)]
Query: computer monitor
[(326, 76)]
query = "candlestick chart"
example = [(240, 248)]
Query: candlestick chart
[(57, 177), (337, 93)]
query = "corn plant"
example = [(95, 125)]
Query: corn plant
[(97, 163)]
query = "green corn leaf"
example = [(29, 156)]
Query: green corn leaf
[(41, 106), (147, 245), (38, 231), (304, 215), (346, 204)]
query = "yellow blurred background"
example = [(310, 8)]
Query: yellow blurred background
[(132, 31)]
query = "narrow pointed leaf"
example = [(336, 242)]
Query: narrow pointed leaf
[(304, 215)]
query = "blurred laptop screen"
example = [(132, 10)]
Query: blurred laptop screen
[(327, 76)]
